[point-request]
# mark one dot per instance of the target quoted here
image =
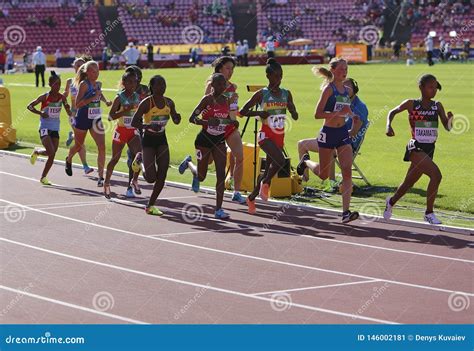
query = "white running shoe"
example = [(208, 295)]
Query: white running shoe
[(432, 219), (387, 214)]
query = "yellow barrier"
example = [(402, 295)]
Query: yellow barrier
[(7, 133)]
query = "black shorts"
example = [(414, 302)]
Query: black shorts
[(154, 140), (415, 146), (204, 139), (47, 132)]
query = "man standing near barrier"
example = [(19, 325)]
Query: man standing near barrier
[(39, 61)]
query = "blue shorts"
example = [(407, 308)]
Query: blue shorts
[(83, 122), (332, 138)]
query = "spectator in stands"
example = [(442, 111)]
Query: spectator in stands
[(149, 49), (72, 53), (429, 49), (131, 55), (330, 50), (246, 52), (105, 57), (239, 53), (442, 43), (39, 61), (3, 61), (114, 62), (270, 47), (10, 59), (57, 56)]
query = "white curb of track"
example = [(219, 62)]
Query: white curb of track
[(206, 190)]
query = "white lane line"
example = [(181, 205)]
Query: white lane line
[(185, 282), (317, 287), (70, 305), (59, 203), (260, 228), (235, 253), (61, 207)]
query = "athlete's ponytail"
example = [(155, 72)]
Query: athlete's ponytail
[(327, 73), (272, 66), (53, 77)]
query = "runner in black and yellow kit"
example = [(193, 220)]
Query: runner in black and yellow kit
[(423, 116), (151, 118)]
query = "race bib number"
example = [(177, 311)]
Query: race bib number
[(198, 154), (261, 136), (94, 111), (116, 136), (426, 132), (341, 101), (219, 129), (322, 137), (276, 121), (161, 121), (127, 121), (43, 132), (411, 145), (53, 110)]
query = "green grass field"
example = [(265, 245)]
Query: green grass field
[(382, 86)]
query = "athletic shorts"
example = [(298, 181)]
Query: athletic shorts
[(332, 138), (43, 132), (277, 136), (415, 146), (204, 139), (123, 135), (154, 140)]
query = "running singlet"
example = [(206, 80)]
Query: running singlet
[(337, 101), (53, 109), (134, 100), (220, 111), (424, 122), (92, 109), (157, 116), (273, 127)]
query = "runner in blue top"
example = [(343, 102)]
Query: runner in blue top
[(311, 145), (89, 116), (50, 113), (334, 107)]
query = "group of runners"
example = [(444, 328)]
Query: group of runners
[(142, 114)]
